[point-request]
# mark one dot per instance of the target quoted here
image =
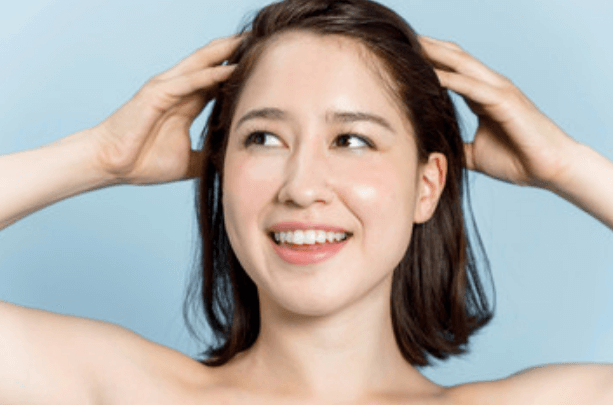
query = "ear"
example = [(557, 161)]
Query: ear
[(430, 184)]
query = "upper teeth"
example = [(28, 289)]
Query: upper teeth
[(309, 237)]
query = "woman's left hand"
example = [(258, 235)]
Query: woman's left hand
[(514, 142)]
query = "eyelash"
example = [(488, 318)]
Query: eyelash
[(249, 139)]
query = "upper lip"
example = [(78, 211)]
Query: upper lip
[(294, 225)]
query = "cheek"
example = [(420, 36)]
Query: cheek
[(381, 195), (246, 184), (247, 189), (251, 181)]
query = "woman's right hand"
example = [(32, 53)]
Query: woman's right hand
[(147, 140)]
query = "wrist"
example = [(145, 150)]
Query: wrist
[(35, 178), (84, 148), (87, 147), (588, 183), (561, 175)]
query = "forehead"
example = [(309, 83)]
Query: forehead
[(301, 69), (281, 45)]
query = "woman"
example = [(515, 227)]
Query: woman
[(326, 331)]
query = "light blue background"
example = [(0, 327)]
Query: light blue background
[(123, 254)]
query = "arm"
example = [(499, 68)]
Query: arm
[(45, 357), (515, 142), (587, 183), (33, 179), (57, 359), (557, 384), (146, 141), (554, 384), (48, 358)]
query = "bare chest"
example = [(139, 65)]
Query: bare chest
[(219, 394)]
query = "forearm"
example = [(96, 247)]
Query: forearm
[(588, 183), (33, 179)]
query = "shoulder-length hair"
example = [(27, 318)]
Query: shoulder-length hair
[(437, 299)]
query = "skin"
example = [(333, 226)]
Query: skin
[(58, 359), (326, 328)]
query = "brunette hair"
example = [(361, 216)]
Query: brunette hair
[(437, 298)]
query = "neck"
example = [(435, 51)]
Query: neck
[(348, 354)]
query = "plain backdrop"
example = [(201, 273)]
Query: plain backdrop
[(123, 254)]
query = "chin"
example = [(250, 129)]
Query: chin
[(304, 301), (320, 300)]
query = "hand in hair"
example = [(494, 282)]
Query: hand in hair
[(147, 140), (514, 141), (517, 143)]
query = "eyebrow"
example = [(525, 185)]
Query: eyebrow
[(334, 116), (266, 113), (355, 116)]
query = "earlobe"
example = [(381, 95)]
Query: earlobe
[(430, 185)]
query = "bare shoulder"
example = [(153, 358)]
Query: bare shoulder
[(555, 384), (51, 358), (135, 370)]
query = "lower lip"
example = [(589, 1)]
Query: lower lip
[(309, 254)]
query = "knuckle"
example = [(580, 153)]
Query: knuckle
[(510, 98), (510, 90), (151, 89), (214, 41), (455, 46), (153, 82), (147, 90), (508, 84), (185, 84), (461, 59)]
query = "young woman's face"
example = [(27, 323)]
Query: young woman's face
[(308, 113)]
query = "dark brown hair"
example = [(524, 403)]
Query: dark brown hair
[(437, 298)]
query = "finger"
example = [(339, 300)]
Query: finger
[(451, 57), (201, 80), (474, 89), (210, 55), (451, 45)]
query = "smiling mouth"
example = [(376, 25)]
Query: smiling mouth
[(306, 246)]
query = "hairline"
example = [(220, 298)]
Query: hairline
[(366, 53)]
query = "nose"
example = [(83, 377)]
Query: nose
[(307, 179)]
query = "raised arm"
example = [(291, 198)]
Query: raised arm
[(587, 183), (146, 141), (58, 359), (517, 143), (33, 179)]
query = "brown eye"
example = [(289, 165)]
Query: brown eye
[(258, 138), (344, 140)]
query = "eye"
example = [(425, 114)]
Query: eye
[(258, 137), (362, 139)]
